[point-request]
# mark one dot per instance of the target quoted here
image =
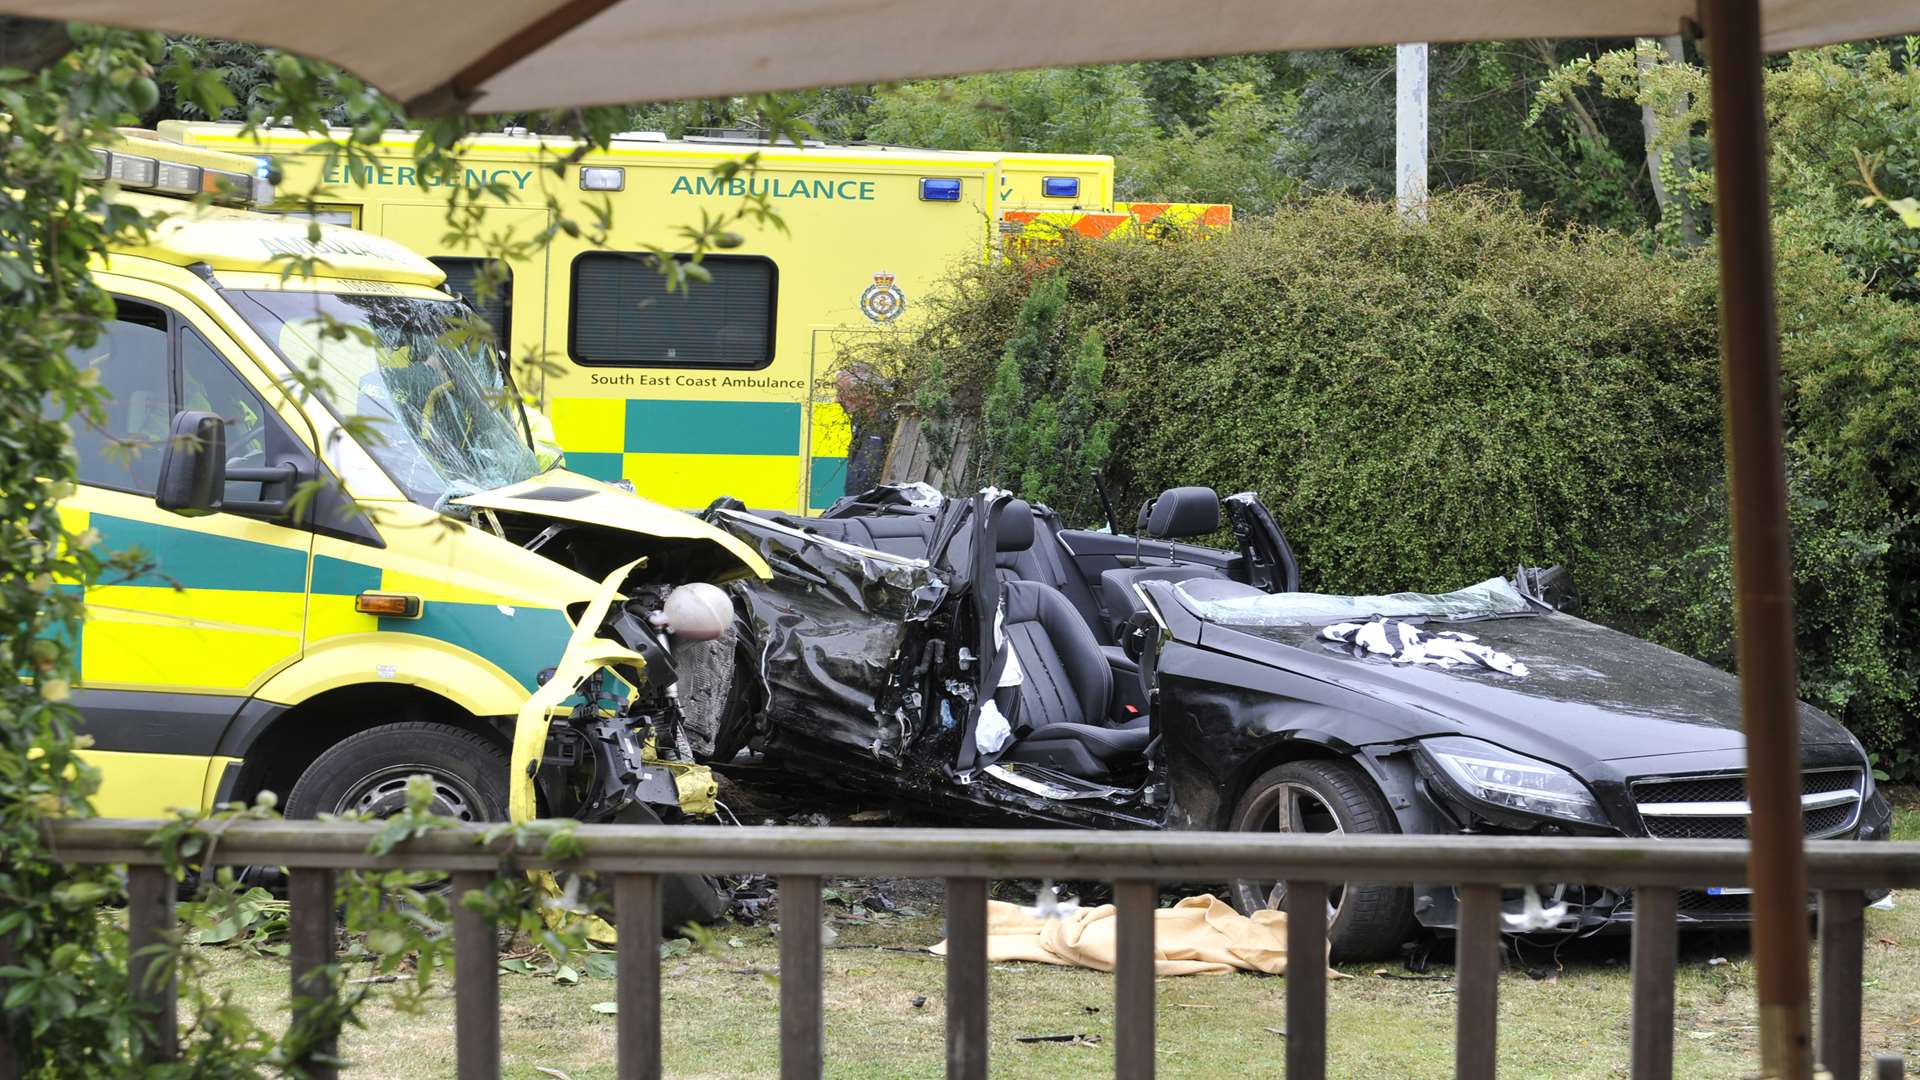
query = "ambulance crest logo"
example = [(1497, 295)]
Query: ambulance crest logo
[(883, 301)]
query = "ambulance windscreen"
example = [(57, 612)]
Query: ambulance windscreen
[(416, 381)]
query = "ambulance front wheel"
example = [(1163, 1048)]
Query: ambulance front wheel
[(368, 773)]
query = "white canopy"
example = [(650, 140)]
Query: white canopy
[(514, 55)]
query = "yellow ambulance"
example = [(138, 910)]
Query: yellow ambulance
[(349, 566), (728, 388)]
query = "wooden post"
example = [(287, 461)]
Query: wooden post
[(1133, 1017), (310, 950), (802, 1023), (149, 922), (1306, 980), (636, 909), (476, 984), (1656, 933), (966, 979), (1762, 538), (1843, 931), (1476, 966)]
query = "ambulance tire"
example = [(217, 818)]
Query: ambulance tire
[(368, 772)]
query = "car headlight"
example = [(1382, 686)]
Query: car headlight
[(1484, 773)]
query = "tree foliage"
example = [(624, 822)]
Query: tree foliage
[(1042, 432)]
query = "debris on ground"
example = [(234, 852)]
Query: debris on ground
[(1081, 1039)]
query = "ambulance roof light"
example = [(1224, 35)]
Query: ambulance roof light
[(639, 136), (939, 189), (142, 172), (1060, 187)]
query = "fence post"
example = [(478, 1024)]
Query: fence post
[(1133, 1017), (149, 923), (636, 909), (1843, 928), (1477, 982), (310, 945), (476, 984), (1306, 980), (966, 979), (1655, 944), (802, 1021)]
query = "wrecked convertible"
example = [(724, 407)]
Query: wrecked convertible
[(974, 657)]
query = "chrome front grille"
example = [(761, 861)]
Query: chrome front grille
[(1714, 806)]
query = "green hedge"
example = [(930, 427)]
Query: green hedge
[(1423, 406)]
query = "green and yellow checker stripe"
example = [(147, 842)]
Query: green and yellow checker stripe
[(688, 453)]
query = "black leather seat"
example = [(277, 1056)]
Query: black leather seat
[(1047, 561), (1065, 691), (1177, 514), (907, 535)]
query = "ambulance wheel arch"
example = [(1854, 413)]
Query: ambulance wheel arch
[(281, 748), (370, 772)]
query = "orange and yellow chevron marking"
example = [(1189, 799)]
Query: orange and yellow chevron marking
[(1024, 231)]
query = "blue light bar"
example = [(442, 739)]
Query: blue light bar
[(934, 189), (1060, 187)]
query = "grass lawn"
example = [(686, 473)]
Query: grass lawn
[(721, 1010)]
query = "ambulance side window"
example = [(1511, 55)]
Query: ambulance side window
[(623, 315), (130, 361), (208, 384)]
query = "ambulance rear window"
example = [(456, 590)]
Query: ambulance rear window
[(623, 315)]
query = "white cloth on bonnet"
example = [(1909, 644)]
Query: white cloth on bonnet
[(1405, 643)]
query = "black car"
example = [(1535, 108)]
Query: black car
[(973, 656)]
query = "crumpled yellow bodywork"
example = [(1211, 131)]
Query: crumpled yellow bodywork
[(586, 653)]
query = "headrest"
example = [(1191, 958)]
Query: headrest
[(1015, 531), (1146, 515), (1184, 511)]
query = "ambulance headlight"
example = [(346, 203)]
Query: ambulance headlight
[(603, 178), (133, 171), (171, 176), (939, 189)]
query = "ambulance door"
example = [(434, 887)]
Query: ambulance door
[(848, 435), (173, 645), (513, 311)]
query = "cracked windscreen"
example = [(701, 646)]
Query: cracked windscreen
[(436, 411), (1491, 598)]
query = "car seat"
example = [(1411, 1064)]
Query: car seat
[(1176, 514), (1065, 691)]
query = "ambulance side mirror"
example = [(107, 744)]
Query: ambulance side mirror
[(193, 468)]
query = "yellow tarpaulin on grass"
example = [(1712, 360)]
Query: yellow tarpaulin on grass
[(1200, 935)]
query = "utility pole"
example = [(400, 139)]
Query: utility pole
[(1410, 128)]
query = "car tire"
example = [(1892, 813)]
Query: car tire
[(368, 772), (1369, 920)]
